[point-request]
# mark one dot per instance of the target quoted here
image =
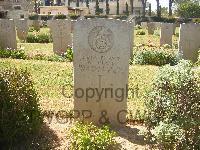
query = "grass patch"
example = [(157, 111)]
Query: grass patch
[(50, 77)]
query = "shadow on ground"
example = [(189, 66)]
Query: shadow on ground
[(131, 133), (45, 140)]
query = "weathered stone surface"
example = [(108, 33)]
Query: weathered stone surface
[(101, 63), (157, 25), (61, 33), (36, 25), (7, 34), (22, 28), (72, 25), (151, 28), (144, 25), (166, 33), (174, 28), (189, 41)]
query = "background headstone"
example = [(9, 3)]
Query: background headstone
[(151, 28), (36, 24), (61, 33), (144, 25), (166, 33), (7, 34), (157, 25), (132, 37), (101, 63), (72, 25), (22, 28), (174, 28), (189, 41)]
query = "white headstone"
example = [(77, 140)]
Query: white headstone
[(151, 28), (101, 63), (144, 25), (189, 41), (61, 33), (166, 33), (7, 34), (22, 28), (36, 24)]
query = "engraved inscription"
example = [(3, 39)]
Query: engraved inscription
[(100, 64), (100, 39)]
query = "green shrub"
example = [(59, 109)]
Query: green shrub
[(177, 34), (69, 54), (141, 32), (74, 16), (33, 16), (31, 29), (38, 37), (56, 58), (88, 136), (162, 19), (173, 112), (155, 57), (60, 16), (32, 38), (167, 134), (138, 27), (196, 20), (46, 17), (44, 38), (15, 54), (189, 10), (20, 114)]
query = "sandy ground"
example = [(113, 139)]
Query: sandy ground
[(53, 136)]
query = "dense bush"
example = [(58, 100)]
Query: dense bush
[(38, 37), (20, 115), (31, 29), (69, 54), (138, 27), (155, 57), (196, 20), (74, 16), (189, 10), (46, 17), (162, 19), (16, 54), (88, 136), (140, 32), (33, 16), (173, 112), (60, 16)]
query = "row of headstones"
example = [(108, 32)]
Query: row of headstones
[(102, 48), (189, 38), (8, 31), (167, 30), (62, 38)]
